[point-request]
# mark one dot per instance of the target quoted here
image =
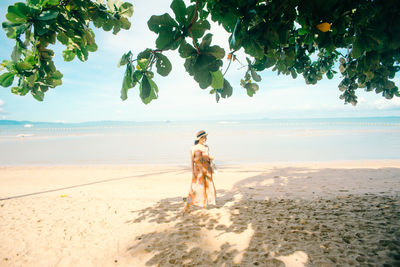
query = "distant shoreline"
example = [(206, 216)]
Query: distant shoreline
[(112, 122), (368, 163)]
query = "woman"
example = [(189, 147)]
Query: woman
[(202, 189)]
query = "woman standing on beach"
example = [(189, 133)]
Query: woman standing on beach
[(202, 189)]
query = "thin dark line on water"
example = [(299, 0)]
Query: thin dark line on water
[(80, 185)]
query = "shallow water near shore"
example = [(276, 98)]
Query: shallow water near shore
[(232, 142)]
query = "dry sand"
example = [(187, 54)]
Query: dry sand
[(297, 214)]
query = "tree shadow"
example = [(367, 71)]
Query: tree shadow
[(258, 223)]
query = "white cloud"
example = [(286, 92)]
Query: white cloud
[(387, 104), (1, 102), (362, 100)]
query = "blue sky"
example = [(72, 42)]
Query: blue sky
[(91, 90)]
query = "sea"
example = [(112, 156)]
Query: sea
[(169, 142)]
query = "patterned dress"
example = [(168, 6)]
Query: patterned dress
[(202, 189)]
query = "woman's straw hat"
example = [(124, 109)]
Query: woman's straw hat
[(201, 134)]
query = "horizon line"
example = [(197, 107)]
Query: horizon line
[(187, 120)]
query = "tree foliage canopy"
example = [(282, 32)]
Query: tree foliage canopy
[(313, 38)]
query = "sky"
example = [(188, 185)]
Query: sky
[(91, 89)]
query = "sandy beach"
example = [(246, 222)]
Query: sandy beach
[(283, 214)]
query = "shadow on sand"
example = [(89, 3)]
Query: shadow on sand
[(265, 221)]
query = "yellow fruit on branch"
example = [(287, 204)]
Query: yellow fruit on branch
[(324, 27)]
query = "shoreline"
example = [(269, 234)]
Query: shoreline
[(356, 162)]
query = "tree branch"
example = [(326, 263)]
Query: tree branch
[(194, 18)]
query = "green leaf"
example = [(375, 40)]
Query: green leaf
[(217, 80), (126, 10), (16, 54), (293, 73), (91, 48), (254, 49), (189, 65), (137, 75), (20, 90), (273, 37), (145, 54), (17, 13), (51, 2), (166, 40), (37, 94), (198, 28), (309, 39), (57, 75), (6, 79), (128, 82), (124, 93), (329, 74), (145, 88), (226, 90), (11, 33), (82, 54), (8, 25), (357, 50), (204, 14), (124, 24), (206, 41), (206, 62), (108, 25), (179, 8), (203, 78), (117, 27), (302, 31), (163, 65), (62, 38), (98, 21), (217, 97), (186, 50), (23, 66), (160, 23), (49, 37), (89, 35), (251, 88), (48, 15), (41, 27), (69, 55), (125, 59), (143, 63), (190, 13), (214, 51), (201, 69), (153, 92), (255, 76)]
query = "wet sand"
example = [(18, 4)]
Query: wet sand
[(294, 214)]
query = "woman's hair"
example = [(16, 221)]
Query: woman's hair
[(196, 142)]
